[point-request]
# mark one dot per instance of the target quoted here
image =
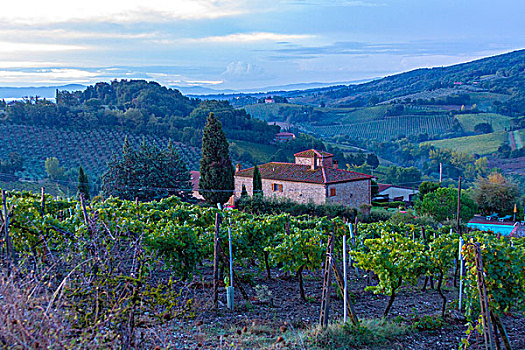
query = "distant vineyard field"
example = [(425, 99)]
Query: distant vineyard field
[(91, 148), (477, 144), (499, 122), (386, 129)]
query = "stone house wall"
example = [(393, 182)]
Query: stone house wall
[(353, 193)]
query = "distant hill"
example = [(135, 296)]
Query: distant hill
[(87, 126), (423, 104), (503, 74)]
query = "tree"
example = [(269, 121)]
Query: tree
[(483, 128), (147, 173), (83, 184), (53, 169), (257, 181), (11, 166), (495, 194), (427, 187), (216, 183), (244, 193), (442, 205), (372, 160)]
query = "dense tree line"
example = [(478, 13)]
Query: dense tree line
[(138, 106)]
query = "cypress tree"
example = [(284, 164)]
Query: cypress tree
[(216, 182), (244, 193), (83, 183), (257, 181)]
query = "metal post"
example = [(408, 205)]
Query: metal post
[(352, 237), (230, 301), (460, 273), (345, 314), (459, 206)]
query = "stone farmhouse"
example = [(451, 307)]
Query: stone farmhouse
[(314, 177)]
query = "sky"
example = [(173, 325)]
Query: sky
[(246, 44)]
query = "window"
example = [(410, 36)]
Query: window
[(277, 187), (332, 192)]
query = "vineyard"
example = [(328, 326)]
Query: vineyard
[(477, 144), (386, 129), (119, 274), (90, 148)]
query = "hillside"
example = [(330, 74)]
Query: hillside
[(87, 127), (468, 106), (502, 74), (90, 148)]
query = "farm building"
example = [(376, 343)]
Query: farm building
[(393, 193), (284, 137), (314, 177)]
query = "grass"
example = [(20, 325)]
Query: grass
[(271, 335), (261, 153), (364, 114), (469, 121), (370, 332), (478, 144)]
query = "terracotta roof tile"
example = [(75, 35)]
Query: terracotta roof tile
[(303, 173), (311, 152)]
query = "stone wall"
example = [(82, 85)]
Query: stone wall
[(353, 193)]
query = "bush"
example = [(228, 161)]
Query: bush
[(262, 205)]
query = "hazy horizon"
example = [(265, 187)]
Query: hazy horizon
[(247, 45)]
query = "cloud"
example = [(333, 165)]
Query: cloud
[(334, 3), (47, 76), (36, 12), (17, 47), (411, 48), (56, 34), (242, 71), (250, 37)]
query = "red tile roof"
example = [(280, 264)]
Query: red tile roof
[(310, 153), (383, 187), (303, 173)]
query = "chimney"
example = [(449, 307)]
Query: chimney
[(335, 163), (238, 167), (313, 166)]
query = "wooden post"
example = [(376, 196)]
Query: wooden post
[(216, 248), (327, 284), (42, 201), (483, 300), (84, 211), (8, 243)]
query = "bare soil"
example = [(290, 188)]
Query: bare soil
[(256, 323)]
